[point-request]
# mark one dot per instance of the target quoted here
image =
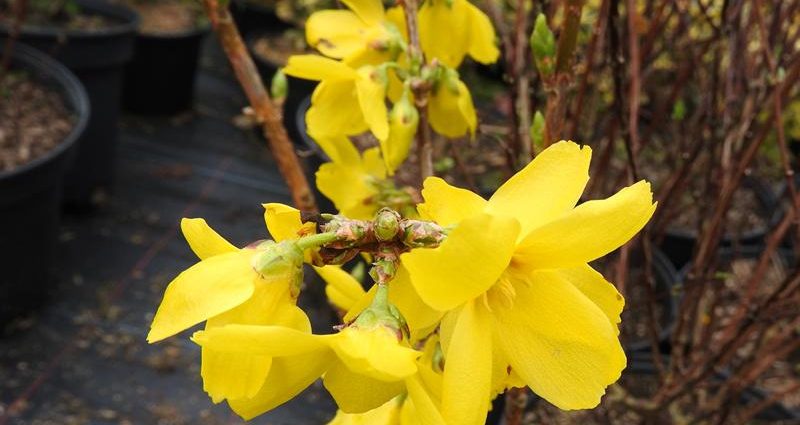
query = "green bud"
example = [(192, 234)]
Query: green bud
[(277, 258), (386, 225), (279, 88), (543, 46), (537, 131)]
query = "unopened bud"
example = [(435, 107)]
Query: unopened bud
[(386, 225), (543, 46), (277, 258), (403, 123), (279, 88), (537, 131), (422, 234)]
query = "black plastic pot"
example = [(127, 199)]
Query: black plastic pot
[(299, 89), (159, 80), (253, 16), (97, 58), (30, 195), (679, 244)]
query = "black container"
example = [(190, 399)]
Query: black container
[(254, 16), (679, 244), (159, 80), (30, 195), (299, 89), (97, 58)]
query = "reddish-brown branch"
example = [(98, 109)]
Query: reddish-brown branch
[(263, 107)]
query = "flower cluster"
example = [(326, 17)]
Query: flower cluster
[(474, 297), (367, 62)]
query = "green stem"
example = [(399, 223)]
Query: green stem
[(313, 241)]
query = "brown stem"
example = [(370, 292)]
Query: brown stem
[(522, 101), (265, 111), (421, 90), (568, 38)]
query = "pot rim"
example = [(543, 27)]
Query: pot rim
[(73, 93), (130, 22)]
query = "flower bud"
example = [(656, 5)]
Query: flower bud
[(279, 88), (543, 46), (403, 122), (277, 258), (386, 225), (537, 131)]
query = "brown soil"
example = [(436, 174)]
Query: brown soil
[(33, 121), (277, 48), (167, 17)]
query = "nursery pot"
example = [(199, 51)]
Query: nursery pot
[(299, 89), (97, 57), (159, 80), (30, 195), (679, 244), (252, 15)]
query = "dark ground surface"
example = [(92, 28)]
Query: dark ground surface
[(83, 358)]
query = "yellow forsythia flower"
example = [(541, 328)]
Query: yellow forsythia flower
[(224, 288), (347, 101), (360, 36), (516, 289), (450, 107), (351, 182), (363, 367), (451, 29)]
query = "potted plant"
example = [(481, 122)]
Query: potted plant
[(159, 80), (94, 39), (44, 110)]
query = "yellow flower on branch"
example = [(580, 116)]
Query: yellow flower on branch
[(225, 288), (347, 101), (364, 366), (450, 107), (363, 35), (516, 289), (452, 29)]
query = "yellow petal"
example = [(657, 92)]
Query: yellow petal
[(467, 371), (287, 377), (388, 414), (318, 68), (422, 408), (233, 375), (420, 318), (466, 265), (203, 240), (335, 110), (283, 222), (357, 393), (451, 111), (349, 189), (343, 289), (443, 31), (371, 96), (448, 205), (598, 289), (370, 11), (589, 231), (335, 33), (546, 188), (275, 341), (206, 289), (339, 149), (373, 164), (559, 342), (375, 353), (482, 45)]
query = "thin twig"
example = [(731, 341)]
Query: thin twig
[(265, 110)]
